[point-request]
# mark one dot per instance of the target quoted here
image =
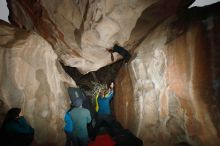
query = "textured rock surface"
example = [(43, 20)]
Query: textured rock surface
[(79, 30), (170, 91), (32, 78)]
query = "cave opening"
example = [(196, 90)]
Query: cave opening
[(87, 82), (104, 75)]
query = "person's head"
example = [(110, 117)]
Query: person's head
[(13, 114), (77, 102), (103, 92)]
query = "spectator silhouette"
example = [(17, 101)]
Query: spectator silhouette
[(15, 130)]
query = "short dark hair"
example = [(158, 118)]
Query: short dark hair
[(11, 115)]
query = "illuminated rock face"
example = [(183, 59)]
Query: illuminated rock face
[(32, 78), (80, 30), (170, 90), (168, 93)]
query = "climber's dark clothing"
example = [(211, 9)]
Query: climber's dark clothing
[(122, 51)]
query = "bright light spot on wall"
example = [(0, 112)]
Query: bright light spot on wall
[(201, 3)]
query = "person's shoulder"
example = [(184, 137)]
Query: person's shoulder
[(72, 111), (86, 110), (21, 119)]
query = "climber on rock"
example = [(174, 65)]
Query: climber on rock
[(120, 50)]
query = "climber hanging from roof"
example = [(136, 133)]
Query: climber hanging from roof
[(120, 50)]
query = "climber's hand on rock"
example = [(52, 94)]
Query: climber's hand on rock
[(112, 85)]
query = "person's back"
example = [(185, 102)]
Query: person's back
[(80, 117), (19, 127)]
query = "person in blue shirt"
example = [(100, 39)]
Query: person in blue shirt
[(104, 116), (15, 129), (68, 128), (81, 117)]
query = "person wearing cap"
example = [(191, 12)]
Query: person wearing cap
[(80, 117)]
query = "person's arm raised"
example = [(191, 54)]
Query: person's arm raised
[(112, 85)]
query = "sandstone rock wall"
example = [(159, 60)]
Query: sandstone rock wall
[(169, 92), (32, 78), (79, 30)]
